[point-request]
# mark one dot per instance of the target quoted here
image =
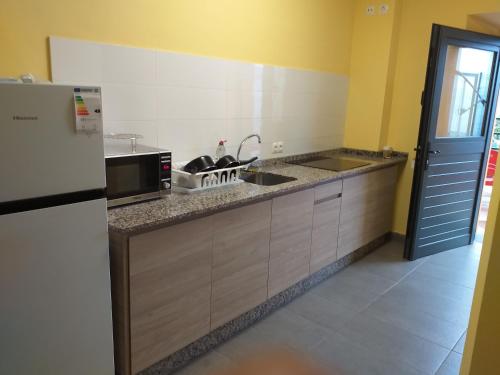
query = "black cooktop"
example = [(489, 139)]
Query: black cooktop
[(336, 164)]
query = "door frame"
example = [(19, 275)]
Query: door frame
[(432, 80)]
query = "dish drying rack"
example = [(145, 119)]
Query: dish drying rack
[(185, 182)]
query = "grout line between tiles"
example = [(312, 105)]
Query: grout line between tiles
[(393, 286), (415, 334), (454, 346)]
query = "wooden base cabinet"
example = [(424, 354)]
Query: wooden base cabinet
[(240, 261), (367, 208), (170, 288), (290, 248), (325, 227), (173, 285)]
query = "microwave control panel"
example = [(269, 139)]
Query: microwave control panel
[(165, 171)]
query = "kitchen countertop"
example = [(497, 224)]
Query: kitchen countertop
[(176, 207)]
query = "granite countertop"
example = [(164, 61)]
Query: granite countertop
[(177, 207)]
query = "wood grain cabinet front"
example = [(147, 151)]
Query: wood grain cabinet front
[(170, 287), (173, 285), (290, 249), (240, 261), (367, 208), (325, 227)]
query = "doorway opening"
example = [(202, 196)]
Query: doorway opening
[(490, 176)]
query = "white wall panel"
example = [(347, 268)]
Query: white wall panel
[(187, 103)]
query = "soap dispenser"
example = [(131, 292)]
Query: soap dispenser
[(221, 149)]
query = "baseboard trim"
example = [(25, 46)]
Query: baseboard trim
[(398, 237), (220, 335)]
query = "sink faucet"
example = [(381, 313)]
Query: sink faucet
[(243, 141)]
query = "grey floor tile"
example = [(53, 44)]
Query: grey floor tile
[(459, 347), (288, 329), (340, 355), (461, 257), (388, 262), (421, 281), (354, 294), (417, 322), (364, 280), (382, 315), (324, 312), (210, 363), (451, 365), (391, 342), (422, 298), (461, 275), (247, 343), (389, 251), (281, 330)]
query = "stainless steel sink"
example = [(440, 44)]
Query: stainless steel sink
[(264, 178)]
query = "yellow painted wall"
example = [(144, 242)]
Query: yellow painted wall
[(477, 23), (411, 63), (481, 348), (373, 49), (481, 355), (310, 34)]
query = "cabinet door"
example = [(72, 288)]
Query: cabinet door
[(290, 250), (367, 209), (325, 228), (170, 284), (240, 261)]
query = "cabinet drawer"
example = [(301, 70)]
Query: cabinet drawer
[(328, 191)]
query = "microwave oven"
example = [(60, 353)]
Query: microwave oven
[(138, 175)]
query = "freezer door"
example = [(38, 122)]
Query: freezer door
[(55, 303), (41, 153)]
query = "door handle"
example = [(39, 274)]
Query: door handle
[(430, 152)]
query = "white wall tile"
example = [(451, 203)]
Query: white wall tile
[(289, 104), (75, 61), (128, 65), (249, 104), (274, 130), (94, 63), (175, 69), (187, 103), (294, 80), (191, 103), (128, 102), (249, 77)]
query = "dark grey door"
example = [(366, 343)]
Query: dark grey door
[(458, 103)]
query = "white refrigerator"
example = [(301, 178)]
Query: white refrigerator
[(55, 299)]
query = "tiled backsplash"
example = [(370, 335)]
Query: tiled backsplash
[(186, 103)]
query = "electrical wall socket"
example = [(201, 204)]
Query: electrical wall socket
[(280, 146), (370, 10), (384, 8), (277, 147)]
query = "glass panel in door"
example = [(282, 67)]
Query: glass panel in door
[(464, 94)]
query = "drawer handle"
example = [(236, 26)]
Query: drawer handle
[(329, 198)]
